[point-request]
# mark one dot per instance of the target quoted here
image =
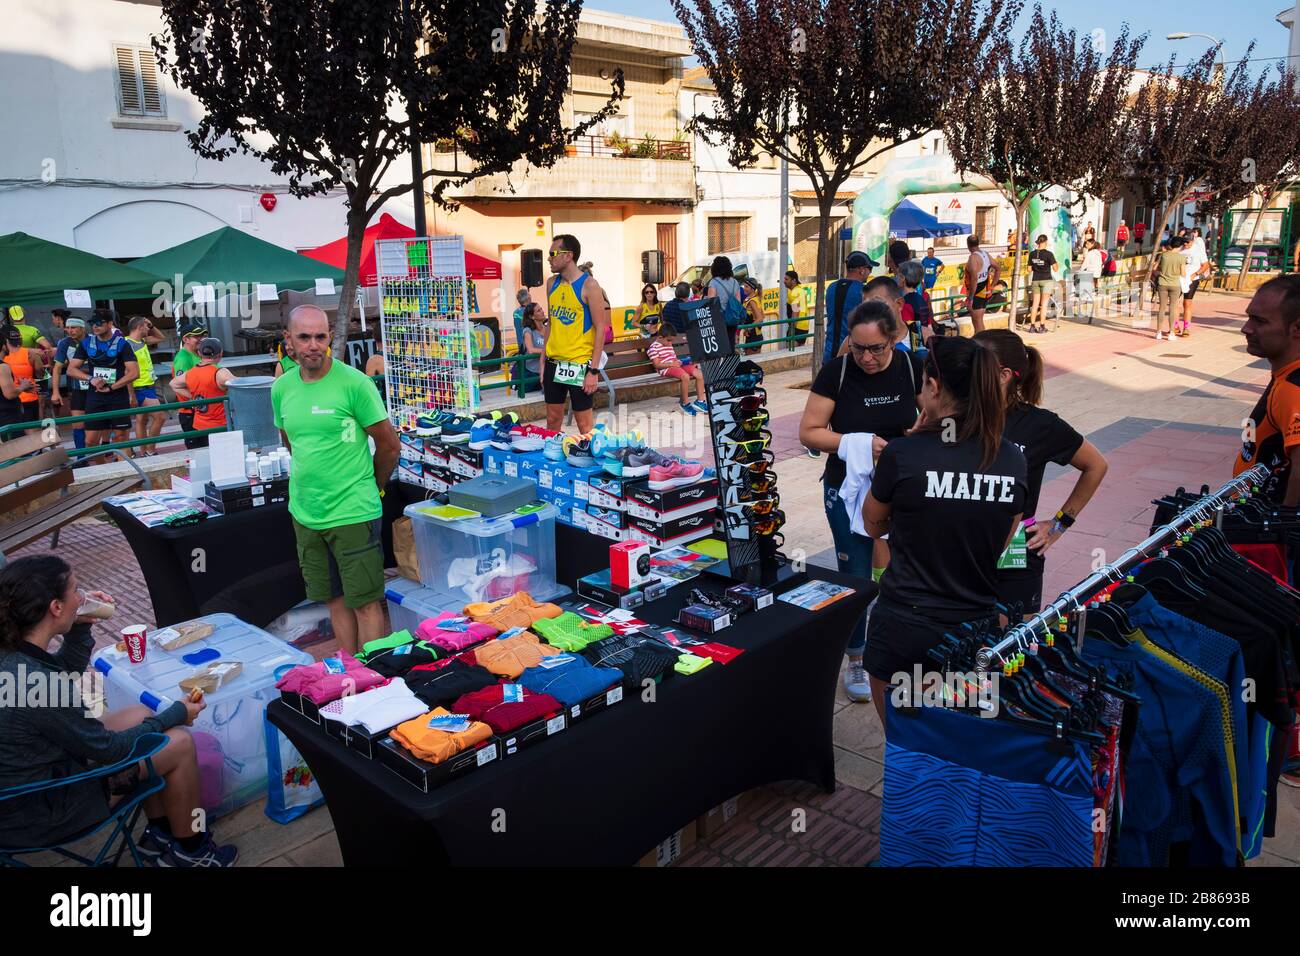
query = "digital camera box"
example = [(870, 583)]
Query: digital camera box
[(425, 776), (639, 491), (532, 733)]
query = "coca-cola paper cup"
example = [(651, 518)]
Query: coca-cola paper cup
[(135, 642)]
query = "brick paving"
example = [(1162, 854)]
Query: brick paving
[(1165, 414)]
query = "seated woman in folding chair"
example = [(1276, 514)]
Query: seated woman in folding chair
[(40, 600)]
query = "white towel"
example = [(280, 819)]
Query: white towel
[(855, 450)]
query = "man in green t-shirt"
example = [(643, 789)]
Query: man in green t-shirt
[(325, 410), (186, 357), (33, 337)]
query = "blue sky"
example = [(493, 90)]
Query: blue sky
[(1236, 22)]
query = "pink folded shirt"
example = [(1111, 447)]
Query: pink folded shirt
[(454, 632), (324, 682)]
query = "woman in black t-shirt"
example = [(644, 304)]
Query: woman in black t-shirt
[(871, 389), (950, 496), (1042, 437), (1042, 281)]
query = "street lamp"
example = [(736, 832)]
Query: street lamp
[(1218, 45)]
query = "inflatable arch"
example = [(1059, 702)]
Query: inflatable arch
[(921, 175)]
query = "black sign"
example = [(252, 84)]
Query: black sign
[(706, 332)]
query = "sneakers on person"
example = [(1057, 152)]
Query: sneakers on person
[(456, 431), (857, 686), (813, 452), (153, 843), (553, 448), (1160, 336), (689, 409), (482, 434), (701, 405), (675, 474), (208, 854), (577, 451)]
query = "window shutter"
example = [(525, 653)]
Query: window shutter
[(128, 83), (150, 84)]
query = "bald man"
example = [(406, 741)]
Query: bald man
[(325, 409)]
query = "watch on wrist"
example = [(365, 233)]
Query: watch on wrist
[(1064, 520), (591, 370)]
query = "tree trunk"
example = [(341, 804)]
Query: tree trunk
[(1250, 246), (358, 219), (824, 248), (1022, 210)]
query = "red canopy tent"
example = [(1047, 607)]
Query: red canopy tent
[(336, 253)]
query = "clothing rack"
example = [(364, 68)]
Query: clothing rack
[(1073, 600)]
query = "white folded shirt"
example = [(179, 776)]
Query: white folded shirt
[(376, 710)]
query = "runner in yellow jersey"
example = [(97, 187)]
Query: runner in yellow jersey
[(575, 337), (144, 390)]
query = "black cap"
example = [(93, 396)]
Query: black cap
[(210, 348), (857, 259)]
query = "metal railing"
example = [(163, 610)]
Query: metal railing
[(611, 145), (81, 421)]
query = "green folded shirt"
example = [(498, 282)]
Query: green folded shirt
[(569, 632)]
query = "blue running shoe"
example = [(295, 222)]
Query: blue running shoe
[(428, 426), (553, 449), (207, 855), (702, 406), (578, 452), (482, 434), (526, 443), (457, 430)]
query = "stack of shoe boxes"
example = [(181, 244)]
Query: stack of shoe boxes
[(666, 519)]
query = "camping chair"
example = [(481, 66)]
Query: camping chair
[(124, 815)]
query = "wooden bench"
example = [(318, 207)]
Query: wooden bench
[(32, 467)]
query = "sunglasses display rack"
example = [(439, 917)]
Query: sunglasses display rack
[(751, 519), (425, 301)]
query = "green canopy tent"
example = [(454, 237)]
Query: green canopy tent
[(231, 257), (34, 272)]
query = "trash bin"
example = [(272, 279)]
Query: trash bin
[(250, 411)]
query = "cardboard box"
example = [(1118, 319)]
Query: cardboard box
[(673, 498), (602, 500), (674, 528), (523, 464), (411, 472), (720, 817), (439, 480), (672, 849), (598, 527), (615, 519), (426, 776), (633, 533), (609, 485), (435, 453), (532, 733), (639, 510), (581, 479), (532, 465), (412, 447), (596, 703), (555, 476), (494, 460), (629, 564)]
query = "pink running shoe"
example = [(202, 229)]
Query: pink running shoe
[(675, 474)]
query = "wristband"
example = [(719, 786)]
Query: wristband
[(1058, 528), (1063, 519)]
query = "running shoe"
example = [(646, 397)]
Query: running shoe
[(701, 406), (457, 430), (207, 855), (153, 843), (482, 434), (526, 443), (553, 448), (689, 409), (428, 426), (502, 436), (512, 418), (856, 685), (675, 474), (631, 462), (578, 452)]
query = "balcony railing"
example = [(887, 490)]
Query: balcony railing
[(612, 145)]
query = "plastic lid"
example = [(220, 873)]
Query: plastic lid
[(483, 527)]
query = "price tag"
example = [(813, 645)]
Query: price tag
[(487, 754), (555, 725), (450, 723), (506, 635), (512, 694), (614, 696), (555, 661), (544, 478), (569, 373), (334, 665)]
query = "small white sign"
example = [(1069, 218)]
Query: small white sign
[(204, 293), (324, 286), (487, 755), (555, 725), (267, 292), (226, 458), (77, 299), (614, 696)]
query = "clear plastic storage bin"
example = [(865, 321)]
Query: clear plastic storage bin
[(228, 735), (482, 559), (410, 602)]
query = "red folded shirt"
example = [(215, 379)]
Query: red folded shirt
[(489, 706)]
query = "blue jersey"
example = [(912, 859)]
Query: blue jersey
[(931, 265), (836, 332)]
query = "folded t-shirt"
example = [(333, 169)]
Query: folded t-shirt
[(376, 647), (441, 683), (376, 710), (639, 658), (490, 706), (330, 679), (510, 656), (570, 682), (454, 632), (570, 632), (518, 610), (398, 660), (435, 746)]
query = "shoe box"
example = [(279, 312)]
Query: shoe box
[(606, 491), (412, 447), (244, 497), (610, 516), (639, 493), (677, 525), (425, 776), (556, 476), (439, 479), (564, 504), (411, 472), (465, 461), (600, 526), (659, 537), (517, 465), (532, 733), (581, 478), (636, 509), (494, 460), (435, 453)]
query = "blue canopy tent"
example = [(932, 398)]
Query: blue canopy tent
[(910, 221)]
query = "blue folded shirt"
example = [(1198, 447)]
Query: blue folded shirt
[(570, 682)]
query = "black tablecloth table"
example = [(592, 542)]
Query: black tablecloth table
[(248, 562), (244, 563), (613, 785)]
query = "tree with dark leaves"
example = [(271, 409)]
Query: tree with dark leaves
[(331, 93), (1055, 114), (828, 85)]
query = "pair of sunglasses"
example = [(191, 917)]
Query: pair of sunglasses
[(756, 508), (744, 403), (760, 524), (748, 484), (735, 471)]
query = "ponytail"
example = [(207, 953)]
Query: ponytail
[(985, 411), (1024, 361)]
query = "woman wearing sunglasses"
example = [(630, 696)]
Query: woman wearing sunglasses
[(1043, 437), (950, 495), (648, 310), (871, 388)]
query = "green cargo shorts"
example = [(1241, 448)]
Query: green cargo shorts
[(347, 562)]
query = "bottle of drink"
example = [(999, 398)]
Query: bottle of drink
[(250, 465)]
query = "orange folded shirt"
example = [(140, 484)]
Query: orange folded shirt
[(512, 656), (518, 610), (435, 746)]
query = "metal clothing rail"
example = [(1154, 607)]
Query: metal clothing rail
[(1073, 599)]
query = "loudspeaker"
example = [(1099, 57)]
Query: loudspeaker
[(652, 266), (530, 268)]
